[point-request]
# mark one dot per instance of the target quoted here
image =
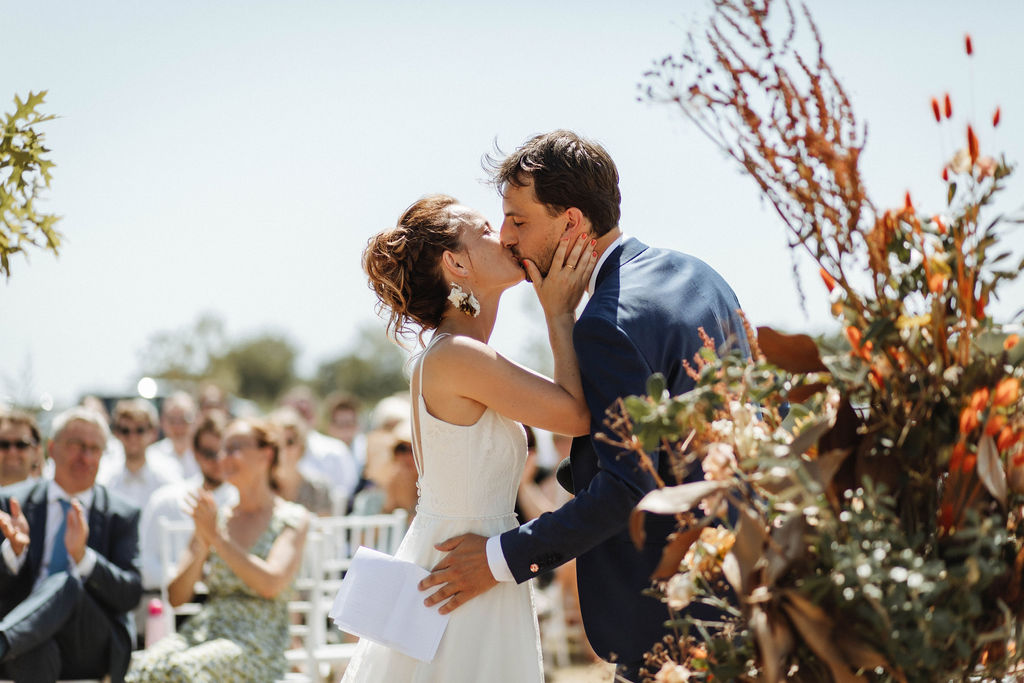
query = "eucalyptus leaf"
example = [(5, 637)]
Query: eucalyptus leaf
[(675, 499), (990, 469)]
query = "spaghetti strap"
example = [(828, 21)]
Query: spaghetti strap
[(417, 448)]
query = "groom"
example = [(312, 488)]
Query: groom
[(642, 317)]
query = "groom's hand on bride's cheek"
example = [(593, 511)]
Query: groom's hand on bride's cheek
[(462, 574)]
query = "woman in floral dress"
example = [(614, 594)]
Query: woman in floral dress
[(247, 556)]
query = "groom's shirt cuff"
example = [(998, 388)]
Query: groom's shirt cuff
[(496, 560)]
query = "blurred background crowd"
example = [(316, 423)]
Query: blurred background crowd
[(334, 456)]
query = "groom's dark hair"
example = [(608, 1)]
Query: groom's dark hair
[(567, 171)]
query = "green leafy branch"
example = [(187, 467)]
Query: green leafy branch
[(25, 170)]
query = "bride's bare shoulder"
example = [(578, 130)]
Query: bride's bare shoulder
[(457, 352)]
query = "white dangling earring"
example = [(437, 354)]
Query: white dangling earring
[(464, 301)]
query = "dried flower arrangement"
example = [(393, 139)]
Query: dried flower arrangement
[(876, 490)]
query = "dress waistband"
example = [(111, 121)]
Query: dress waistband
[(434, 515)]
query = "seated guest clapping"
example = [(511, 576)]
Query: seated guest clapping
[(69, 575), (247, 555)]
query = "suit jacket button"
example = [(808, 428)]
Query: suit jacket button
[(534, 568)]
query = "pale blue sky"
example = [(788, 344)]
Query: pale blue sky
[(234, 157)]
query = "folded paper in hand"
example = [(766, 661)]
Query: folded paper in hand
[(378, 600)]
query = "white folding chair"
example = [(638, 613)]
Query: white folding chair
[(335, 540), (175, 536)]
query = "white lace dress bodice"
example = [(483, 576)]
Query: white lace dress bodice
[(469, 471)]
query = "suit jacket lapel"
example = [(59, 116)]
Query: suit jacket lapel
[(97, 518), (35, 514)]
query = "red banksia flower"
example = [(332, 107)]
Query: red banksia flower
[(830, 282), (936, 111), (945, 173), (972, 143), (949, 107), (968, 45), (995, 118)]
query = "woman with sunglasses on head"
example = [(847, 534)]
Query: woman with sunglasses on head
[(247, 555)]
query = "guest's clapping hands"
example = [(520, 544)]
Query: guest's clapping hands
[(76, 533), (203, 510), (562, 288), (15, 527)]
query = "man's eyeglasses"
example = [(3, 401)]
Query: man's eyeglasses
[(128, 431), (208, 453), (19, 445)]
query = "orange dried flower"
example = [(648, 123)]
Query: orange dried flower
[(949, 107), (945, 173), (853, 334), (970, 460), (1007, 392), (995, 117), (968, 45), (907, 204), (957, 458), (936, 283), (830, 282), (995, 424), (940, 224), (1007, 438), (1011, 341), (979, 399), (968, 420), (972, 143), (936, 111)]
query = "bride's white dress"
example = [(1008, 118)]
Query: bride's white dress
[(468, 477)]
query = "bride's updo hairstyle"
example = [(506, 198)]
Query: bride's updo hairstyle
[(403, 265)]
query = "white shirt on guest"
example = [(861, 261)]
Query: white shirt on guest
[(54, 515), (184, 464), (332, 459), (495, 557), (136, 487), (168, 502)]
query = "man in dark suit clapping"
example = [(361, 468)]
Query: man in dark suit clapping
[(69, 574)]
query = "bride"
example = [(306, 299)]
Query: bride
[(443, 269)]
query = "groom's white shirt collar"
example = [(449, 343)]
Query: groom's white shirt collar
[(600, 262)]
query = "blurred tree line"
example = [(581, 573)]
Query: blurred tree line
[(262, 367)]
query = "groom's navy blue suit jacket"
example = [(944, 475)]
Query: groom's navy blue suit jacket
[(642, 318)]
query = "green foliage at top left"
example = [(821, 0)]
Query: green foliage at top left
[(24, 171)]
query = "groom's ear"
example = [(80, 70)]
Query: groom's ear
[(575, 220)]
